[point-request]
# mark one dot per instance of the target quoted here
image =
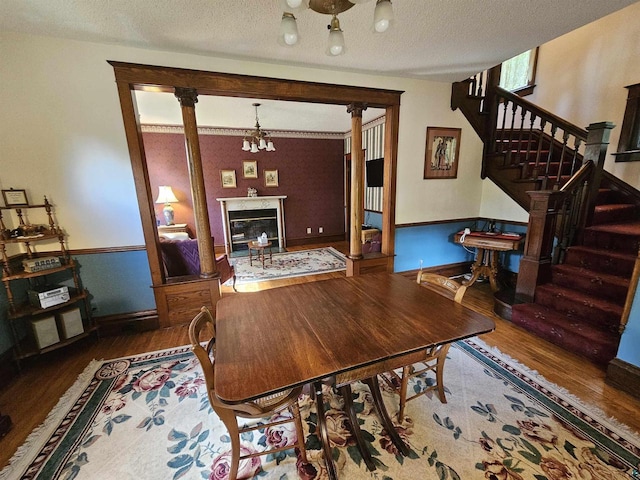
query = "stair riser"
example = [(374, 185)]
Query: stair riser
[(621, 215), (590, 285), (579, 311), (567, 337), (600, 262), (606, 240)]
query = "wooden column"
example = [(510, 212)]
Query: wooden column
[(596, 151), (535, 266), (357, 181), (188, 98)]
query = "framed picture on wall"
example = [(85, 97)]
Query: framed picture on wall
[(271, 178), (249, 169), (442, 152), (228, 178), (15, 198)]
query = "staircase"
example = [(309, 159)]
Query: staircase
[(584, 226), (580, 308)]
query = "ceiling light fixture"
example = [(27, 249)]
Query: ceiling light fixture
[(382, 20), (258, 139)]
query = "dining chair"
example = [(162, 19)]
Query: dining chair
[(203, 325), (434, 357)]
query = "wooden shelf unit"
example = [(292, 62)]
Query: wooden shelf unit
[(13, 273)]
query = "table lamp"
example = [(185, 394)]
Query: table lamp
[(167, 197)]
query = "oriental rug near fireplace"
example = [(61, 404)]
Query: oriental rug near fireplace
[(148, 417), (288, 264)]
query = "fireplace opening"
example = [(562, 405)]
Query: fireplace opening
[(248, 225)]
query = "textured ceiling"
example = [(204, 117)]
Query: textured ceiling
[(442, 40)]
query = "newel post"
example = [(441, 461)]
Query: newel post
[(596, 151), (535, 266)]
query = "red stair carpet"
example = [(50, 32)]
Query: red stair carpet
[(581, 308)]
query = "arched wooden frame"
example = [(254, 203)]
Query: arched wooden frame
[(130, 77)]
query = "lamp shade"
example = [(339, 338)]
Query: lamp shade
[(382, 16), (165, 195), (288, 30), (335, 46)]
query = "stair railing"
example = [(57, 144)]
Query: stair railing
[(555, 216), (545, 145), (573, 210)]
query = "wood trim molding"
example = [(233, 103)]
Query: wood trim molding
[(624, 376), (456, 220), (127, 322), (159, 78), (240, 132)]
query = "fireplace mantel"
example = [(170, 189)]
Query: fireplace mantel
[(269, 210)]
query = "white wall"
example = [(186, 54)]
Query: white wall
[(581, 77), (61, 134)]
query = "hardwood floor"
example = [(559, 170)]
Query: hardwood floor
[(30, 397)]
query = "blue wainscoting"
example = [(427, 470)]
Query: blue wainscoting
[(434, 245), (119, 282)]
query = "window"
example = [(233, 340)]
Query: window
[(518, 74), (629, 143)]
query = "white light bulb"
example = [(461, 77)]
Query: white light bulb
[(288, 30), (382, 25), (382, 16)]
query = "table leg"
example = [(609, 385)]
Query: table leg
[(477, 268), (372, 382), (250, 258), (324, 432), (493, 275), (345, 391)]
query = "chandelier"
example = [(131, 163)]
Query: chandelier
[(382, 19), (258, 139)]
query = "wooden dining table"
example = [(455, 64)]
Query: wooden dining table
[(276, 339)]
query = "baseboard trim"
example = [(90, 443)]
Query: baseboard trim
[(128, 322), (448, 270), (624, 376)]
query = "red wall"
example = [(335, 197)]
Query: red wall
[(310, 174)]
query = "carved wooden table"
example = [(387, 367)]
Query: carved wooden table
[(276, 339), (487, 259), (260, 253)]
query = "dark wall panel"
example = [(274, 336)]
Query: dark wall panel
[(310, 174)]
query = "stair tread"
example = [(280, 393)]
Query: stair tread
[(559, 319), (615, 206), (578, 296), (603, 252), (586, 272), (622, 228)]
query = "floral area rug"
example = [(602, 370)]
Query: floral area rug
[(288, 264), (148, 417)]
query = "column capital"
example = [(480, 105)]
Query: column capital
[(356, 109), (188, 97)]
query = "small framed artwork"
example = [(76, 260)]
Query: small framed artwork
[(15, 198), (228, 178), (441, 154), (271, 178), (249, 169)]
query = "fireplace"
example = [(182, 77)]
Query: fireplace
[(246, 218)]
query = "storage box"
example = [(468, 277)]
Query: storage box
[(45, 296), (70, 323), (45, 331)]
